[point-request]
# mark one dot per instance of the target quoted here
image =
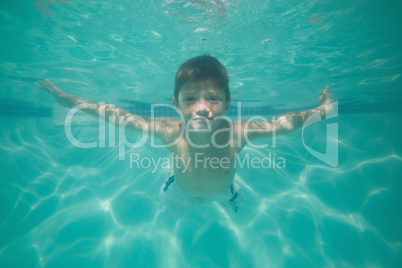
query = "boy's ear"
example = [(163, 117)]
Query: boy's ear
[(175, 102), (227, 103)]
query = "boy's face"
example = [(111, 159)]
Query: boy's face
[(202, 102)]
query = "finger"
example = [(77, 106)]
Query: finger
[(325, 89), (41, 84), (45, 85)]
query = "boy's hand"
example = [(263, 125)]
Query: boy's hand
[(326, 107), (49, 87), (325, 97), (61, 96)]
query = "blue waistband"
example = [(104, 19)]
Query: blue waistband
[(169, 182)]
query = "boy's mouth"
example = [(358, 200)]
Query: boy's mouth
[(198, 119)]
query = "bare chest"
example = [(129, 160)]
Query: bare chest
[(215, 161)]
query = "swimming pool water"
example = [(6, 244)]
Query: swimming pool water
[(64, 206)]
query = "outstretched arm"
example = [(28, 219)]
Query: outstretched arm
[(111, 113), (287, 122)]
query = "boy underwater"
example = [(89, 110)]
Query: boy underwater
[(202, 98)]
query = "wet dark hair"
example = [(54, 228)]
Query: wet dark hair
[(202, 68)]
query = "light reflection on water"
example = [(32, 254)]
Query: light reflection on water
[(65, 205)]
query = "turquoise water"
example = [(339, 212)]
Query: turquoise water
[(64, 206)]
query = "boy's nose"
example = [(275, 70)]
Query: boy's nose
[(202, 108)]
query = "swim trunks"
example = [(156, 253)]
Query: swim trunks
[(178, 202)]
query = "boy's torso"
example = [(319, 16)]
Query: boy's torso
[(205, 171)]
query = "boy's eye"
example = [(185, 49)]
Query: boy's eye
[(189, 99)]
